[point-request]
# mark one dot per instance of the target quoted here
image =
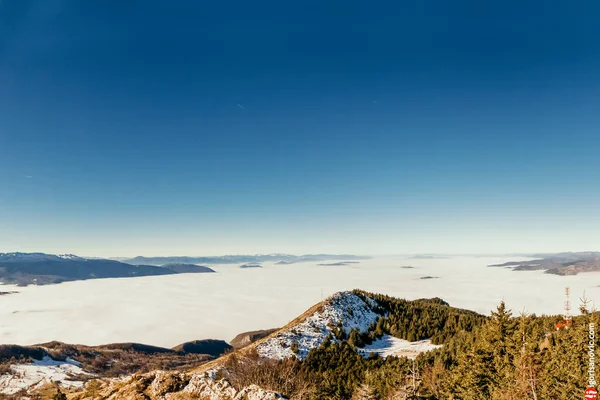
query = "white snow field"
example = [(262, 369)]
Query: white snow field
[(40, 372), (392, 346), (169, 310)]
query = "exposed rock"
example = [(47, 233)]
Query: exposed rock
[(254, 392), (167, 382), (167, 385), (205, 387)]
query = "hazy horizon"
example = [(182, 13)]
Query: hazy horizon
[(388, 255)]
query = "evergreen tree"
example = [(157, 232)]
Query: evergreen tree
[(364, 392)]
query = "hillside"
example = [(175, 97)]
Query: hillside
[(346, 317), (246, 338), (42, 269), (558, 264), (360, 345), (458, 353)]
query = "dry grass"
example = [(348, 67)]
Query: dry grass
[(101, 361), (248, 351)]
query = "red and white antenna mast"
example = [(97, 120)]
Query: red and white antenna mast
[(567, 304), (568, 320)]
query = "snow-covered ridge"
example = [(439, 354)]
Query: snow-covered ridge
[(344, 309), (37, 257), (28, 376), (70, 257)]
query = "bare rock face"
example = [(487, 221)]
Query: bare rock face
[(254, 392), (205, 387), (167, 382), (166, 385)]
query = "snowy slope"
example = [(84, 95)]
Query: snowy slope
[(70, 257), (30, 257), (392, 346), (345, 308), (26, 376)]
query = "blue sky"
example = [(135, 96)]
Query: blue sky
[(144, 127)]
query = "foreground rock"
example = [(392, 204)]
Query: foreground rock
[(164, 385), (30, 376)]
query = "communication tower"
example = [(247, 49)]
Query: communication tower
[(567, 318)]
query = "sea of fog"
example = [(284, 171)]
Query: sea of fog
[(169, 310)]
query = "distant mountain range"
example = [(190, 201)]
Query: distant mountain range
[(42, 269), (570, 263), (241, 259)]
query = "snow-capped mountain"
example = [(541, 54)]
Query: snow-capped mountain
[(337, 319), (29, 257), (344, 310), (70, 257)]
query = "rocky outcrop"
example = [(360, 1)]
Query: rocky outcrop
[(167, 385), (205, 387)]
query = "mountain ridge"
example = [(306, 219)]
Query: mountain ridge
[(240, 259), (352, 345), (566, 263), (24, 269)]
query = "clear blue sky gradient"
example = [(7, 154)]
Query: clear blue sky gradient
[(193, 127)]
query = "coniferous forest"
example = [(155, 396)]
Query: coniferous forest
[(502, 356)]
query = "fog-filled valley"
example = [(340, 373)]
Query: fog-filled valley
[(171, 309)]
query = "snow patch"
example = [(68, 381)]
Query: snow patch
[(28, 376), (392, 346), (344, 308), (69, 257)]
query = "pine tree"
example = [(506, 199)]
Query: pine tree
[(527, 360), (498, 338), (354, 339), (364, 392)]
